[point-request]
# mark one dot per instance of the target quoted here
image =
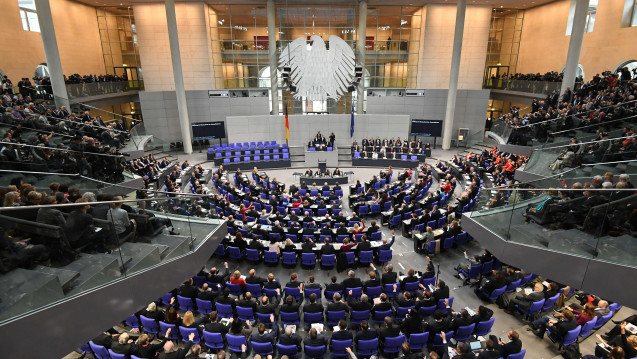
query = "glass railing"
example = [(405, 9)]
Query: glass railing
[(51, 253), (537, 87), (593, 224), (102, 88)]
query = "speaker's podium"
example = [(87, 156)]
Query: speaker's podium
[(313, 159), (322, 165)]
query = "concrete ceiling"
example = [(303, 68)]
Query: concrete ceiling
[(508, 4)]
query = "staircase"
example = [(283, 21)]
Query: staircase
[(297, 156), (344, 156)]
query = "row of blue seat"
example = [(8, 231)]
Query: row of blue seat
[(258, 144), (307, 259), (229, 153), (286, 156)]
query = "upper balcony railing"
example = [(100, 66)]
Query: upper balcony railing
[(102, 88), (537, 87)]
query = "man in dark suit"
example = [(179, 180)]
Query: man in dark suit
[(389, 277), (364, 245), (489, 352), (388, 330), (365, 333), (315, 339), (188, 290), (383, 306), (217, 277), (337, 305), (513, 346), (261, 336), (206, 293), (171, 353), (360, 305), (314, 306), (267, 307), (524, 301), (440, 322), (247, 302), (410, 278), (373, 280), (404, 301), (124, 345), (342, 333), (334, 286), (442, 291), (253, 278), (558, 328), (327, 248), (290, 338), (352, 281)]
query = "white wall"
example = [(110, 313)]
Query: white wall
[(304, 127)]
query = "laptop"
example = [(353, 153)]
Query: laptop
[(475, 346)]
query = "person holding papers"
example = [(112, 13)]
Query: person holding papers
[(524, 301)]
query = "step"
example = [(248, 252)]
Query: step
[(177, 245), (65, 276), (143, 255), (24, 290), (94, 269)]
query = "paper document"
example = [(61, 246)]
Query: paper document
[(431, 288), (631, 328), (528, 291), (470, 311), (318, 326)]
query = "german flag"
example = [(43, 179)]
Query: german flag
[(287, 126)]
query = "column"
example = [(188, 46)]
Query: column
[(52, 53), (575, 44), (360, 49), (274, 87), (175, 54), (453, 75)]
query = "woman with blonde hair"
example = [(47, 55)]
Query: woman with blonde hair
[(289, 246), (189, 320), (11, 199)]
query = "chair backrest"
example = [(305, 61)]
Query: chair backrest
[(487, 267), (338, 347), (418, 341), (245, 313), (310, 318), (601, 321), (271, 257), (571, 336), (289, 258), (536, 306), (185, 333), (235, 342), (437, 341), (328, 259), (402, 312), (174, 333), (365, 256), (496, 293), (385, 255), (203, 306), (149, 325), (380, 316), (412, 286), (262, 348), (427, 311), (235, 289), (334, 317), (315, 352), (290, 350), (374, 292), (367, 347), (550, 302), (519, 355), (99, 351), (511, 287), (359, 315), (484, 328), (254, 289), (308, 258), (587, 328), (389, 290), (465, 332), (185, 303), (114, 355), (393, 344), (224, 310), (289, 318)]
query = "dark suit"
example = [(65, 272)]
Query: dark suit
[(266, 337), (319, 341), (293, 339), (388, 332), (441, 293), (389, 277), (352, 283)]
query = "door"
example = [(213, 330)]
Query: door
[(493, 74)]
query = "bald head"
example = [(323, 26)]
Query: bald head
[(169, 347)]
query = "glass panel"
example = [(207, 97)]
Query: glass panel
[(32, 18), (25, 22)]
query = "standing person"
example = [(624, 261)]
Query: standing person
[(119, 217)]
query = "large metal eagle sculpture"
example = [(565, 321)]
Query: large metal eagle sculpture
[(316, 72)]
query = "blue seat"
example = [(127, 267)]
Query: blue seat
[(395, 221), (401, 312), (365, 257), (513, 285), (334, 317), (535, 307), (235, 253), (308, 259), (132, 321), (358, 316), (290, 318), (473, 273), (295, 292), (149, 325), (262, 348), (185, 333), (271, 257), (587, 328), (235, 289), (338, 347), (495, 294), (570, 337), (174, 333), (235, 342), (253, 256), (99, 351), (213, 340), (417, 341), (437, 341), (432, 224), (550, 302), (265, 318), (289, 258), (311, 318), (203, 306), (328, 260), (367, 348), (412, 286), (363, 210), (245, 313), (254, 289), (379, 317), (309, 292), (487, 267), (427, 311), (442, 306), (465, 332), (393, 344), (199, 280), (601, 321), (519, 355), (351, 258), (460, 238), (290, 350), (185, 303), (114, 355), (374, 292), (224, 310), (314, 351), (483, 328), (376, 236), (448, 243), (329, 295), (390, 291)]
